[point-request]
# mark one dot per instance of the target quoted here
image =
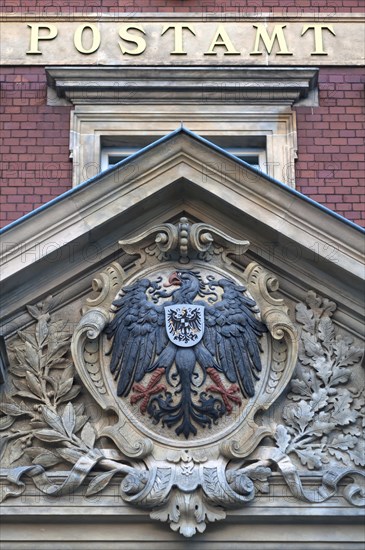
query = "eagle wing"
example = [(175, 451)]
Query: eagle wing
[(138, 328), (232, 337)]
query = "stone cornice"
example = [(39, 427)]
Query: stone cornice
[(253, 85)]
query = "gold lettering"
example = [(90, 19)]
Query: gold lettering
[(134, 38), (277, 34), (221, 38), (318, 37), (178, 33), (95, 38), (35, 37)]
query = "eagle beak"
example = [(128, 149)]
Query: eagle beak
[(173, 280)]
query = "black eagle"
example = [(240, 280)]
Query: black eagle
[(230, 345)]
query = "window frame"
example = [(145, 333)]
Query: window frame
[(90, 123)]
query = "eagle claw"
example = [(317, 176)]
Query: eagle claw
[(145, 392), (225, 393)]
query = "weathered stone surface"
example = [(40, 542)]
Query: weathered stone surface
[(195, 40)]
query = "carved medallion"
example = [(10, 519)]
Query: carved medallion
[(194, 339)]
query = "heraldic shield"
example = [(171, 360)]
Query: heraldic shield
[(184, 324), (185, 350)]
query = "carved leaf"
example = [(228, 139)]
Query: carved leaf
[(46, 459), (282, 438), (326, 331), (311, 345), (65, 387), (339, 455), (347, 354), (309, 458), (31, 356), (18, 370), (29, 395), (319, 399), (304, 414), (20, 356), (340, 375), (13, 409), (357, 455), (319, 427), (53, 420), (6, 421), (58, 351), (33, 384), (343, 442), (69, 419), (289, 415), (352, 430), (300, 388), (213, 513), (100, 482), (34, 451), (17, 449), (49, 435), (305, 317), (25, 337), (20, 384), (88, 435), (80, 422), (323, 368), (47, 304), (68, 454), (328, 307), (342, 414), (313, 300), (33, 311), (41, 330), (74, 392)]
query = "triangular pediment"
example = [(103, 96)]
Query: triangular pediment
[(58, 245), (122, 375)]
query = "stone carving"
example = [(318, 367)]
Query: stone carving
[(323, 416), (169, 339), (191, 478)]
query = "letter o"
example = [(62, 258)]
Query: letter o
[(78, 38)]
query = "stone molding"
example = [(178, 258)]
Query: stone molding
[(171, 85), (276, 123)]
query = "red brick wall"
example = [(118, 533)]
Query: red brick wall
[(35, 143), (35, 166), (211, 6), (331, 151)]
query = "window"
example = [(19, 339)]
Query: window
[(122, 147), (154, 101)]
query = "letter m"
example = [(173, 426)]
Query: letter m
[(277, 34)]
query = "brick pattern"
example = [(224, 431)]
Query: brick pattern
[(203, 6), (34, 142), (331, 160)]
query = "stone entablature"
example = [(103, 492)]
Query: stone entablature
[(154, 39)]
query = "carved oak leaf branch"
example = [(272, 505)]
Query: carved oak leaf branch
[(322, 416)]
